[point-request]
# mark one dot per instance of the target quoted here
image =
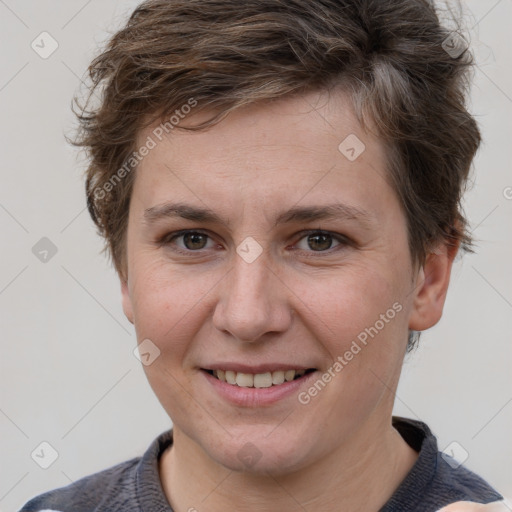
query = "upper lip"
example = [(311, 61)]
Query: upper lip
[(256, 368)]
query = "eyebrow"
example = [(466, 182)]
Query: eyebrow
[(185, 211), (295, 214), (326, 212)]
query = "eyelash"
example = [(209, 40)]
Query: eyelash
[(169, 238)]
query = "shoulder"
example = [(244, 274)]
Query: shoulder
[(94, 492), (436, 479), (458, 483), (131, 486)]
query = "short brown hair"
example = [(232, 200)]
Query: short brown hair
[(390, 55)]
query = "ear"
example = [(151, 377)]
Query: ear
[(431, 287), (126, 300)]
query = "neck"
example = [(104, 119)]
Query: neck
[(360, 475)]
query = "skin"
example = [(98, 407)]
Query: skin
[(292, 304), (466, 506)]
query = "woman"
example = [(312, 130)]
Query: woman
[(279, 186)]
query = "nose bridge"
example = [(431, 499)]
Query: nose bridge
[(251, 302)]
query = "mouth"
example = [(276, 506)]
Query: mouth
[(258, 380)]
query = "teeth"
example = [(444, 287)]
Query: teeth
[(258, 380), (245, 380), (289, 375), (277, 378), (230, 377), (263, 380)]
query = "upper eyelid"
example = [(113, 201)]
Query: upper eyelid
[(177, 234), (336, 236)]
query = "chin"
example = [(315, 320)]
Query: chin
[(260, 455)]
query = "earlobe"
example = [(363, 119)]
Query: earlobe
[(126, 300), (431, 288)]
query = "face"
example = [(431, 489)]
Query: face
[(259, 247)]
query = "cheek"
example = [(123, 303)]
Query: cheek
[(360, 320), (165, 301), (347, 305), (168, 311)]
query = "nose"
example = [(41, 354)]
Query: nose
[(253, 302)]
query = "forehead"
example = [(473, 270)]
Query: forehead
[(312, 121), (303, 148)]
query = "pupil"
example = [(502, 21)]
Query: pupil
[(193, 238), (325, 242)]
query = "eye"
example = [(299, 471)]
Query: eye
[(191, 241), (321, 241)]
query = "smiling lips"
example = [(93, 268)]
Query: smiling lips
[(257, 380)]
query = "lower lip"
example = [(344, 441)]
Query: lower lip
[(256, 397)]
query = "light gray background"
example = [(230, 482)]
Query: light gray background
[(68, 375)]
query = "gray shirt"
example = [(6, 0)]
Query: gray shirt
[(133, 486)]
